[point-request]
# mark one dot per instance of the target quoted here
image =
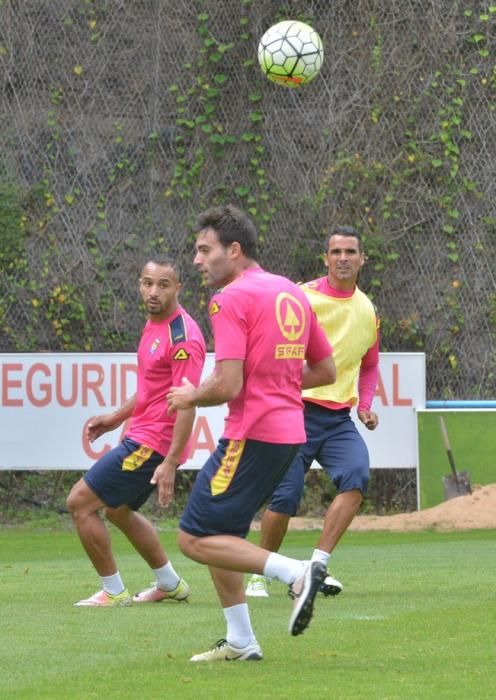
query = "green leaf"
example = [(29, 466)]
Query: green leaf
[(242, 190), (256, 116), (220, 78)]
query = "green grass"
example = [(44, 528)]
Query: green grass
[(416, 620)]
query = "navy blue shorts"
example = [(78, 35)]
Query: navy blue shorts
[(335, 443), (235, 482), (122, 476)]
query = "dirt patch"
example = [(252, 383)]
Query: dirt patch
[(471, 512)]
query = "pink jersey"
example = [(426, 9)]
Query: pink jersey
[(168, 351), (267, 321)]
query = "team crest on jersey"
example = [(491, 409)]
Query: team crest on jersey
[(181, 354), (214, 308), (154, 346), (290, 316)]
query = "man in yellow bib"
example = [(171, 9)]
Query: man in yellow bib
[(351, 324)]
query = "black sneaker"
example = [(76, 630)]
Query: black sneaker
[(331, 586)]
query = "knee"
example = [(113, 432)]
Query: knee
[(74, 500), (190, 545), (354, 480), (81, 501)]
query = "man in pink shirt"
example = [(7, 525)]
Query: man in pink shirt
[(268, 346), (155, 444), (349, 320)]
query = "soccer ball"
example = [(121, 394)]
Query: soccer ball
[(290, 53)]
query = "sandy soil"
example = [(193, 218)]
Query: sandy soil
[(469, 512)]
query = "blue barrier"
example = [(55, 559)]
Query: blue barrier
[(460, 404)]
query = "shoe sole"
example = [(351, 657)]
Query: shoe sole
[(330, 590), (254, 656), (140, 601), (302, 615)]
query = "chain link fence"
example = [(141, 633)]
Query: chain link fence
[(120, 121)]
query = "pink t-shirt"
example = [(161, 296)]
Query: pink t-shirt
[(168, 351), (266, 320)]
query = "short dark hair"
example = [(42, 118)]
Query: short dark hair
[(164, 262), (344, 231), (231, 226)]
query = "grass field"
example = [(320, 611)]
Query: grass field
[(417, 619)]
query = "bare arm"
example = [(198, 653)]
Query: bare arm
[(319, 374), (223, 385), (110, 421), (164, 475)]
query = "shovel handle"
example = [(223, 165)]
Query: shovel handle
[(447, 446)]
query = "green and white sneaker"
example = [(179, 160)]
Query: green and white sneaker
[(156, 594), (258, 586), (223, 651)]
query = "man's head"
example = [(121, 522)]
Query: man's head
[(159, 288), (226, 244), (343, 257)]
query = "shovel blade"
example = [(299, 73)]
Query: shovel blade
[(456, 487)]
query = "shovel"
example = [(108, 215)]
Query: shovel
[(456, 483)]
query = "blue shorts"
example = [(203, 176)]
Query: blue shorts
[(235, 482), (122, 476), (335, 443)]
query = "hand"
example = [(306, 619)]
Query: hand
[(164, 478), (98, 425), (369, 419), (181, 397)]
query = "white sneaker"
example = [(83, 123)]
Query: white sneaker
[(223, 651), (303, 591), (331, 586), (258, 586)]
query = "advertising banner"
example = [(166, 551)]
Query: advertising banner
[(48, 398)]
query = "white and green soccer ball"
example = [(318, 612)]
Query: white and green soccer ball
[(290, 53)]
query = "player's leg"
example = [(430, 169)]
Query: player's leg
[(228, 491), (144, 538), (240, 643), (338, 518), (121, 476), (275, 520), (84, 506), (344, 457)]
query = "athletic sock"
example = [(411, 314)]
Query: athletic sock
[(239, 630), (112, 584), (283, 568), (166, 577), (320, 555)]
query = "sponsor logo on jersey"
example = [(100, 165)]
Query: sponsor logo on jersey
[(181, 354)]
